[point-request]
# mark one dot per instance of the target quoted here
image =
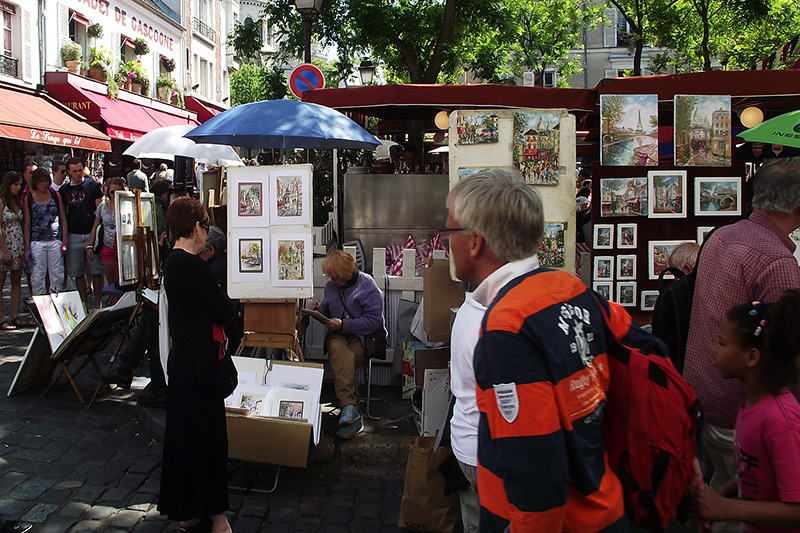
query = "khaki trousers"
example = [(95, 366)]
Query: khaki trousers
[(345, 353)]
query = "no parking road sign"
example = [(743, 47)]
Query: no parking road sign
[(305, 77)]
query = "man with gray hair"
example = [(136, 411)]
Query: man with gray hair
[(539, 366), (743, 262)]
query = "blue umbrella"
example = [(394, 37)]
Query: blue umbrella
[(283, 124)]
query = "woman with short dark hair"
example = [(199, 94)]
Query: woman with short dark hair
[(194, 485)]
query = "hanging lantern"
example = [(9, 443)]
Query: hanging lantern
[(751, 116), (442, 120)]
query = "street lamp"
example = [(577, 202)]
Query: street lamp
[(307, 9), (366, 70)]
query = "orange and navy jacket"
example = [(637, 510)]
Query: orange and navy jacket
[(542, 377)]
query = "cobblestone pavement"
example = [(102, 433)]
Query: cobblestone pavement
[(68, 468)]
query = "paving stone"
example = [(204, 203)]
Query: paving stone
[(336, 528), (11, 480), (30, 467), (280, 514), (73, 509), (391, 529), (34, 455), (69, 484), (368, 496), (247, 524), (86, 526), (32, 489), (126, 519), (99, 512), (253, 507), (56, 495), (338, 514), (275, 528), (57, 524), (311, 507), (89, 466), (89, 493), (36, 442), (149, 527), (39, 513), (144, 466), (365, 525), (115, 494), (132, 481), (153, 486), (307, 523), (367, 510), (142, 507), (106, 477), (73, 457)]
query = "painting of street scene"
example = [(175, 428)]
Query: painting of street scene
[(289, 196), (250, 200), (476, 128), (291, 260), (251, 255), (551, 249), (537, 144), (629, 125), (702, 131), (667, 191), (718, 196), (623, 197), (658, 253)]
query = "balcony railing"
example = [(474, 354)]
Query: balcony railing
[(9, 66), (204, 29)]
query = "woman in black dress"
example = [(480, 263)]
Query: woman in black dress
[(194, 468)]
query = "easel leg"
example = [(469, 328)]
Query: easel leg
[(250, 472)]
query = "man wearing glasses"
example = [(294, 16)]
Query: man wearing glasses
[(59, 174)]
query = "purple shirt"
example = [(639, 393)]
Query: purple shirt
[(363, 301), (747, 261)]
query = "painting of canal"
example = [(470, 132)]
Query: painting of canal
[(666, 192), (623, 197), (551, 249), (629, 125), (717, 196), (477, 128), (702, 131), (537, 144), (251, 256)]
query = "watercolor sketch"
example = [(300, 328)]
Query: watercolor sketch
[(537, 144), (291, 260), (603, 289), (146, 203), (717, 196), (70, 309), (702, 130), (290, 409), (464, 172), (623, 197), (626, 235), (604, 268), (604, 236), (251, 255), (126, 207), (476, 128), (128, 265), (251, 199), (667, 193), (626, 293), (253, 402), (289, 196), (629, 126), (626, 267), (551, 249), (649, 300), (658, 253)]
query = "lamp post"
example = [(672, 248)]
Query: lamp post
[(366, 71), (307, 9)]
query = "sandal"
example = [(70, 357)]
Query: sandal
[(17, 322), (5, 326)]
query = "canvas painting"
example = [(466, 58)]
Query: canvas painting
[(128, 266), (667, 193), (658, 253), (623, 197), (702, 130), (648, 302), (702, 232), (251, 199), (251, 255), (626, 293), (551, 249), (252, 401), (626, 235), (626, 267), (290, 409), (629, 126), (290, 203), (464, 172), (717, 196), (604, 268), (291, 263), (476, 128), (603, 289), (537, 145), (604, 236)]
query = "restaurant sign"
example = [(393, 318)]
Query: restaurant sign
[(50, 137)]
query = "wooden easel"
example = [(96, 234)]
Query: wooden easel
[(271, 324)]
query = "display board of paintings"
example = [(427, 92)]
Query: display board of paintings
[(623, 197), (129, 217), (629, 129)]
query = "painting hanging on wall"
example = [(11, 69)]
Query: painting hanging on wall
[(248, 255), (251, 255), (627, 235), (702, 130), (476, 128), (626, 293), (251, 199), (551, 249), (666, 194), (717, 196), (649, 300), (604, 268), (537, 145), (603, 288), (658, 253), (291, 202), (291, 264), (626, 267), (629, 129), (248, 193), (702, 232), (604, 236), (623, 197)]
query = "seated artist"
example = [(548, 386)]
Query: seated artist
[(353, 304)]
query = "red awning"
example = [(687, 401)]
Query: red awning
[(204, 110), (28, 117)]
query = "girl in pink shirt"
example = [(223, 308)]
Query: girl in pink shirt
[(759, 345)]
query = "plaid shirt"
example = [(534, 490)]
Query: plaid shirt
[(747, 261)]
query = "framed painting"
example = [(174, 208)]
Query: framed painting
[(627, 235), (290, 203), (551, 249), (128, 263), (702, 130), (537, 146), (666, 192), (658, 253), (629, 123), (291, 260), (626, 293), (604, 268), (717, 196), (648, 301), (702, 232), (254, 402), (623, 197), (626, 267), (291, 403), (463, 172), (476, 128), (603, 288), (603, 236), (247, 190), (250, 199), (248, 255), (126, 214)]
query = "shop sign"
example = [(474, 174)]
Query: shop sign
[(49, 137), (136, 25)]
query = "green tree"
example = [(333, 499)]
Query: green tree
[(246, 41), (247, 84)]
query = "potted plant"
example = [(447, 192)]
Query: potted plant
[(176, 97), (71, 55), (140, 47), (168, 64), (139, 78), (99, 63), (95, 31), (125, 74), (84, 68), (164, 85)]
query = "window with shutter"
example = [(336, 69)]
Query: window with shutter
[(27, 46), (610, 28)]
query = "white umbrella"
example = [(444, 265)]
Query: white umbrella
[(169, 141)]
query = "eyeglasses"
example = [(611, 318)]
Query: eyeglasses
[(204, 226), (445, 232)]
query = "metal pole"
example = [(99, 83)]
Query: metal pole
[(307, 37)]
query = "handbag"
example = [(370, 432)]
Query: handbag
[(227, 377), (375, 342)]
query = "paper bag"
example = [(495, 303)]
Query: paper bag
[(424, 506)]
